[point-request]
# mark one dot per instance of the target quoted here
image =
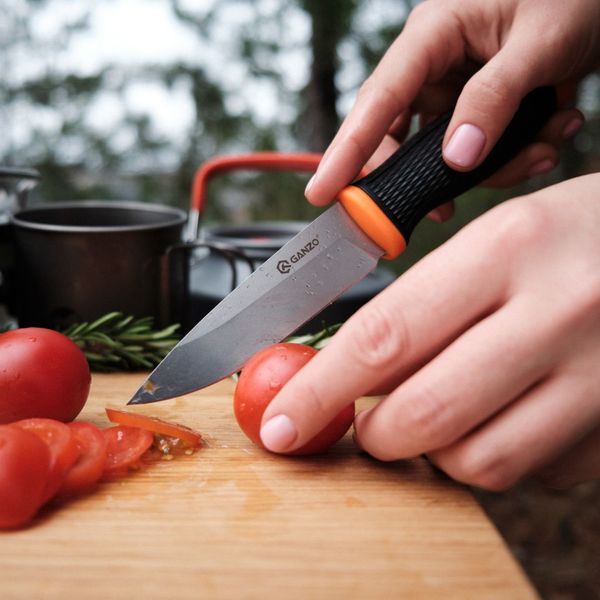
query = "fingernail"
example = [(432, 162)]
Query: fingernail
[(278, 433), (309, 185), (465, 145), (572, 127), (540, 168), (435, 215)]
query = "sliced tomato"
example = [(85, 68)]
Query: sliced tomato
[(188, 436), (62, 445), (24, 473), (89, 466), (124, 447)]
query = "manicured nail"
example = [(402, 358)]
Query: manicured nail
[(309, 185), (540, 168), (435, 215), (278, 433), (572, 127), (465, 145)]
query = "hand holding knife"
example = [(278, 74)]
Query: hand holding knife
[(374, 218)]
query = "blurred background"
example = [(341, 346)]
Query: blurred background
[(125, 99)]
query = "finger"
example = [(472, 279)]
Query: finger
[(530, 433), (427, 44), (482, 371), (489, 100), (442, 213), (400, 127), (414, 318), (387, 147), (578, 465), (542, 156), (534, 160)]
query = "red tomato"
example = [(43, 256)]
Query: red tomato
[(43, 374), (125, 446), (62, 445), (188, 436), (261, 379), (89, 466), (24, 474)]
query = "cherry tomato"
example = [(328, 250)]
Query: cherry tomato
[(188, 436), (24, 473), (62, 445), (89, 467), (261, 379), (125, 446), (44, 374)]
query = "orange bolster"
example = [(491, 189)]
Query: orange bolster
[(372, 220)]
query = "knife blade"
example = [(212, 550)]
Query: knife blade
[(373, 218)]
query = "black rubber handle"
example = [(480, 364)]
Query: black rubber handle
[(415, 179)]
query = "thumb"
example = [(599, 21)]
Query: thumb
[(486, 105)]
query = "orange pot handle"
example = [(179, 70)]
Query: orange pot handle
[(257, 161)]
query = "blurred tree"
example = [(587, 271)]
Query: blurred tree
[(265, 76)]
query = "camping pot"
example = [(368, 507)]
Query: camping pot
[(79, 260), (229, 253)]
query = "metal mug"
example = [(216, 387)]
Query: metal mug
[(79, 260)]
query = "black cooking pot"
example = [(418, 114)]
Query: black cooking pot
[(79, 260)]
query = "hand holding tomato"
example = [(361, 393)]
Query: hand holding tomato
[(261, 379)]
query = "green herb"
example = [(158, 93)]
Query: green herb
[(116, 342), (316, 340)]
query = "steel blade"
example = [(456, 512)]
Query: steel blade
[(308, 273)]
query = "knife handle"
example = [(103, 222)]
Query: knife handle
[(390, 201)]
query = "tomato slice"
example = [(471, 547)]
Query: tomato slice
[(89, 466), (124, 447), (188, 436), (24, 473), (62, 445)]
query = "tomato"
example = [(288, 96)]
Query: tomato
[(43, 374), (188, 436), (62, 445), (125, 446), (24, 473), (261, 379), (89, 467)]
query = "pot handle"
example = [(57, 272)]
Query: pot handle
[(257, 161), (175, 277)]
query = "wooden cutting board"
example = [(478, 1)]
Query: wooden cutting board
[(233, 521)]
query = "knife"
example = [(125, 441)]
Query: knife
[(372, 219)]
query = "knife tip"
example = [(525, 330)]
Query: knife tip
[(145, 394)]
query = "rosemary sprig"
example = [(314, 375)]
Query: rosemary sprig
[(316, 340), (116, 342)]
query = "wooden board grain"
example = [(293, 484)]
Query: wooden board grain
[(233, 521)]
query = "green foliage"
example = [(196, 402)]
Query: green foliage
[(116, 342)]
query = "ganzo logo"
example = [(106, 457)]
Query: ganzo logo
[(285, 266)]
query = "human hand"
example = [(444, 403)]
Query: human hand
[(488, 350), (501, 50)]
